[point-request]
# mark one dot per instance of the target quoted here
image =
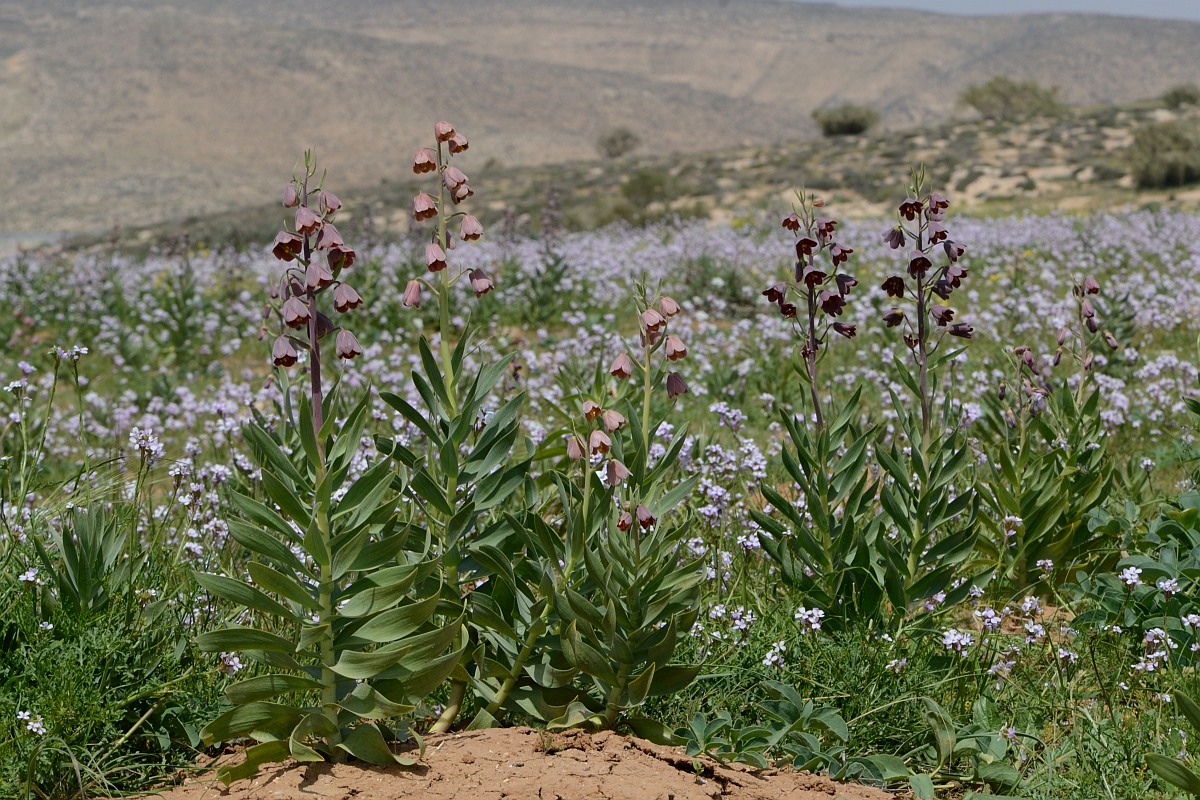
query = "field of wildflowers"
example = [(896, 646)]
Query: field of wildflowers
[(911, 502)]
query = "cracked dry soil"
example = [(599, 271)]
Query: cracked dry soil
[(524, 763)]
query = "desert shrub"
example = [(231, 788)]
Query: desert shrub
[(1184, 94), (617, 142), (847, 119), (1007, 100), (1165, 154)]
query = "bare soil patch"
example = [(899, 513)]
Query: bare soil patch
[(525, 763)]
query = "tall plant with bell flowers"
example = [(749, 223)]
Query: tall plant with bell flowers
[(460, 469), (340, 598), (928, 496), (823, 538)]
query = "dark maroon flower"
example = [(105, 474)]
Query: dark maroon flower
[(840, 254), (615, 472), (894, 236), (954, 250), (329, 202), (329, 237), (283, 353), (412, 294), (295, 313), (844, 284), (612, 420), (942, 288), (453, 177), (805, 247), (340, 257), (826, 226), (849, 331), (791, 222), (788, 310), (347, 346), (435, 257), (1092, 324), (918, 264), (462, 192), (443, 131), (652, 320), (287, 245), (425, 160), (470, 229), (675, 385), (832, 303), (345, 298), (599, 443), (675, 348), (955, 274), (963, 330), (941, 315), (481, 284), (910, 208), (938, 202), (424, 207), (625, 521), (317, 276), (937, 233), (813, 276), (893, 317), (307, 220), (1091, 285), (894, 286), (775, 292), (457, 143), (622, 367), (591, 410), (644, 517)]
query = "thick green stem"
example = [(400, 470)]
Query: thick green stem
[(531, 636), (613, 706), (458, 690)]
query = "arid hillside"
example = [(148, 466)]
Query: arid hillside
[(138, 111)]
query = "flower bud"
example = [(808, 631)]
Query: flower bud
[(613, 420), (347, 346), (457, 143), (1058, 356), (1062, 336), (423, 207), (622, 367), (425, 160), (1092, 325), (307, 220), (616, 472), (481, 284), (470, 229), (675, 385), (675, 348), (644, 517), (329, 202), (345, 298), (444, 131), (283, 353), (435, 257), (412, 294), (295, 313), (599, 442), (287, 245), (1111, 340), (291, 197)]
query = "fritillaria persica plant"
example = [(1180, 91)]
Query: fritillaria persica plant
[(340, 595)]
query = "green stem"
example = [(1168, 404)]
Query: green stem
[(531, 636), (613, 706)]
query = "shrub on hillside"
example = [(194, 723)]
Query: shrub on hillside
[(1008, 100), (617, 142), (1165, 154), (1185, 94), (847, 119)]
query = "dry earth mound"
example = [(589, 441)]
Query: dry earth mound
[(524, 763)]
